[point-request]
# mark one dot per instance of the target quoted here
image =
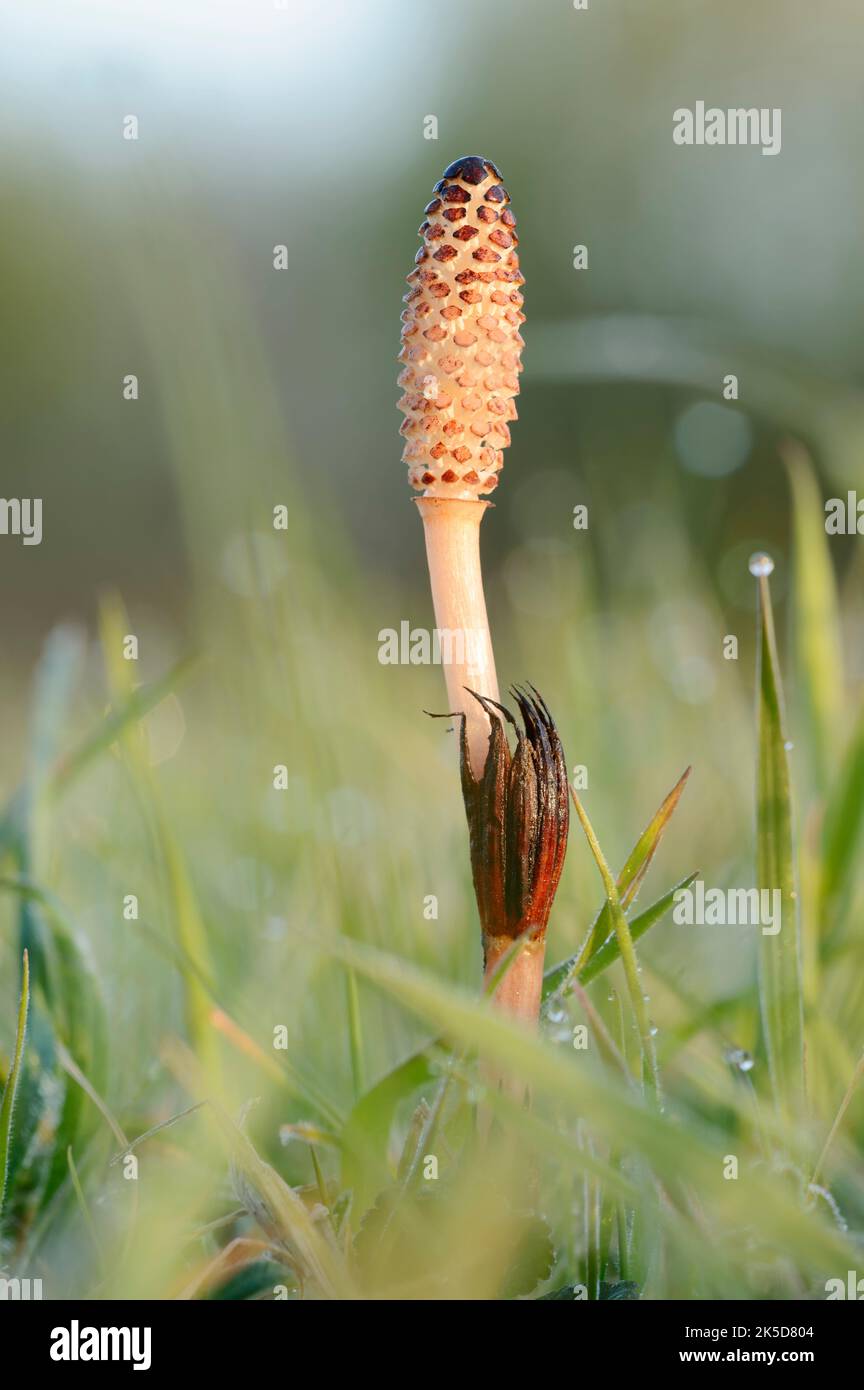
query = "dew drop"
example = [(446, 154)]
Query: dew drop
[(738, 1057), (653, 1030), (556, 1015), (760, 564), (788, 745)]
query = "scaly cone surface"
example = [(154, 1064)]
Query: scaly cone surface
[(460, 336)]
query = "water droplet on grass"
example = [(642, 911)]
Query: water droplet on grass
[(739, 1058), (760, 564)]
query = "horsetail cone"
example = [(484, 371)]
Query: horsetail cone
[(461, 353), (460, 336)]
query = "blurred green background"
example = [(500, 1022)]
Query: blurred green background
[(303, 125)]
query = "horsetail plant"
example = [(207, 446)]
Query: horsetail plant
[(461, 360), (461, 353)]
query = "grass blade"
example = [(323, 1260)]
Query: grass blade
[(817, 619), (367, 1129), (842, 826), (276, 1206), (67, 1009), (355, 1031), (618, 1113), (631, 876), (187, 921), (193, 940), (84, 1207), (779, 954), (610, 951), (559, 976), (650, 1074), (838, 1120), (134, 708), (474, 1024), (629, 880), (7, 1105)]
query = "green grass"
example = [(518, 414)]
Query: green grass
[(297, 917), (384, 1026), (780, 980)]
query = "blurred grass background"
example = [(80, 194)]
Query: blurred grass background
[(262, 125)]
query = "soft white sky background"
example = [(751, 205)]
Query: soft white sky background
[(225, 64)]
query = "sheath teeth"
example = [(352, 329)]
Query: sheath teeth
[(461, 345)]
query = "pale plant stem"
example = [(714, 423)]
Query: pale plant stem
[(452, 531), (519, 992)]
